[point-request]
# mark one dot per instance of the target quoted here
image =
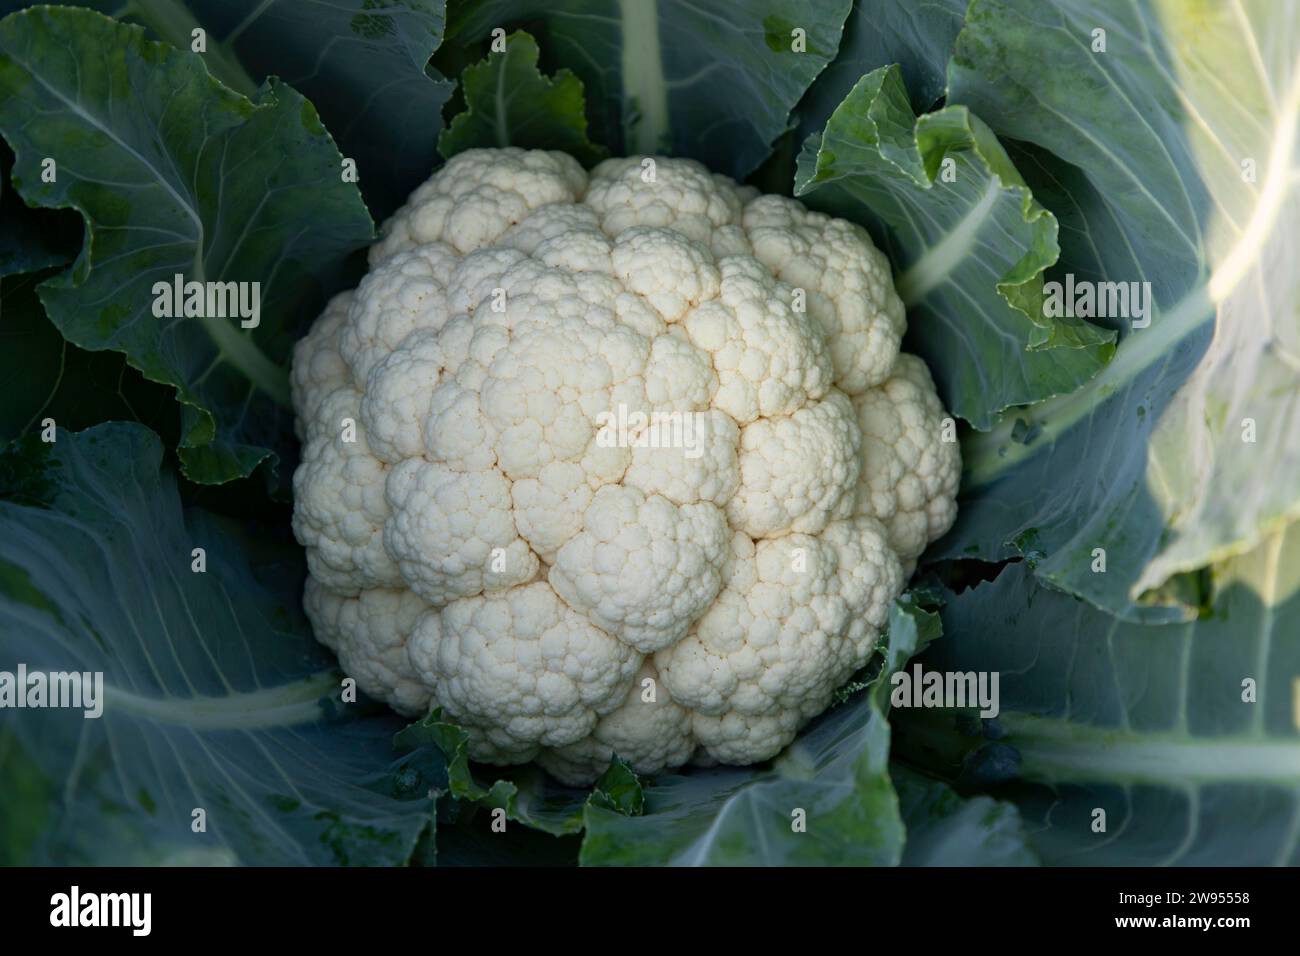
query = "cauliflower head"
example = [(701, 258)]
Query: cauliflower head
[(625, 461)]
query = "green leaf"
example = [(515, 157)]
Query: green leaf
[(451, 741), (1156, 131), (969, 252), (42, 375), (618, 789), (362, 63), (31, 240), (510, 103), (707, 80), (1152, 724), (28, 802), (943, 829), (527, 794), (214, 692), (201, 182), (917, 37), (836, 772)]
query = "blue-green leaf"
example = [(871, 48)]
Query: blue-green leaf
[(200, 182), (215, 697), (704, 79), (917, 36), (1180, 150), (1185, 736), (363, 64), (510, 103), (43, 376), (31, 240), (943, 829), (968, 240)]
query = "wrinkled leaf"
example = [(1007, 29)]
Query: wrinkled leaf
[(1162, 134), (619, 789), (362, 64), (201, 182), (708, 80), (969, 252), (510, 103), (215, 694), (527, 794), (917, 36)]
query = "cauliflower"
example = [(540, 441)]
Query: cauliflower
[(625, 462)]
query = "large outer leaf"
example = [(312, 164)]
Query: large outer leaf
[(711, 80), (174, 173), (945, 830), (31, 239), (214, 687), (42, 375), (28, 799), (1145, 722), (918, 35), (510, 103), (363, 64), (837, 771), (1147, 460), (970, 253)]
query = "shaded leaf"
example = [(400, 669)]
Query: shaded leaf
[(363, 64), (473, 843), (969, 252), (510, 103), (701, 79), (214, 693), (202, 183), (29, 798), (44, 376), (944, 829), (917, 36), (30, 239), (527, 794)]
